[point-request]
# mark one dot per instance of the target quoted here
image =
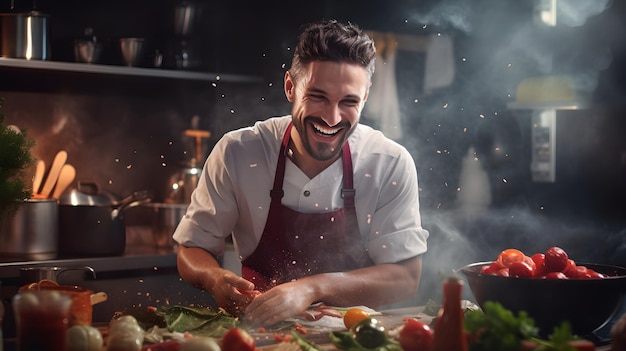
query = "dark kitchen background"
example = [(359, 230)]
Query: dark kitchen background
[(472, 149)]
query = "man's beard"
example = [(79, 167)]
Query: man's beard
[(319, 150)]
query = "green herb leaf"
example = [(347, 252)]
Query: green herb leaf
[(345, 341), (496, 328), (304, 344), (198, 321)]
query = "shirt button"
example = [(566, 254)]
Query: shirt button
[(307, 193)]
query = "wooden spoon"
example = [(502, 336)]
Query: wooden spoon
[(53, 175), (39, 172), (66, 177)]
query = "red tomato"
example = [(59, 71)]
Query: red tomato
[(595, 275), (521, 270), (575, 272), (582, 345), (540, 263), (509, 256), (504, 272), (556, 275), (570, 267), (415, 335), (237, 339), (492, 268), (556, 259)]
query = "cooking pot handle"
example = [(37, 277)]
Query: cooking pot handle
[(135, 199)]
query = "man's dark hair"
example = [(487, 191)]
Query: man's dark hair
[(333, 41)]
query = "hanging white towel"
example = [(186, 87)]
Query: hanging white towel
[(475, 191), (439, 68), (382, 104)]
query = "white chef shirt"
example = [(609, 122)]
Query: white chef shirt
[(233, 193)]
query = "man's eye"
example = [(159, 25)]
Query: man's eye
[(316, 97)]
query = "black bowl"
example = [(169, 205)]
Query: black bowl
[(588, 304)]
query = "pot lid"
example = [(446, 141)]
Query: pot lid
[(89, 194)]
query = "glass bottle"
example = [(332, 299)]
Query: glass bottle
[(449, 334)]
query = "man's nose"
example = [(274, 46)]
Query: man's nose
[(332, 115)]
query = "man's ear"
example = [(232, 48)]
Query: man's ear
[(290, 87)]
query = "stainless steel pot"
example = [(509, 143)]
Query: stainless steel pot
[(165, 219), (93, 224), (30, 232), (25, 35), (36, 274)]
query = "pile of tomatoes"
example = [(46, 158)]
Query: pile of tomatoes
[(554, 263)]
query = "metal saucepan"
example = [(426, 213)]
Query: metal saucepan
[(91, 222)]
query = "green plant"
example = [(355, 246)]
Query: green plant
[(15, 159)]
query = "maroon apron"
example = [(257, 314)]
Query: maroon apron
[(295, 245)]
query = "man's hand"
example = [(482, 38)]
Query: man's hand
[(279, 303), (198, 267), (232, 293)]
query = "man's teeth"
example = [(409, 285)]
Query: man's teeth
[(323, 130)]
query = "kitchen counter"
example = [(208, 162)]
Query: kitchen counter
[(144, 276)]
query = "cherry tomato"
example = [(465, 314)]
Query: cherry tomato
[(353, 316), (504, 272), (492, 268), (521, 270), (509, 256), (237, 339), (556, 259), (540, 263), (531, 263), (415, 335), (556, 275), (573, 271), (594, 275)]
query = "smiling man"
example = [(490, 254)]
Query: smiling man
[(321, 208)]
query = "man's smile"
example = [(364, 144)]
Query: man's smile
[(325, 130)]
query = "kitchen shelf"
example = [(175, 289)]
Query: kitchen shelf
[(124, 71), (549, 105)]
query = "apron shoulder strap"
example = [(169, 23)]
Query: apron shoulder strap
[(347, 192)]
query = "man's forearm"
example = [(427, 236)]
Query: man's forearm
[(372, 286), (194, 265)]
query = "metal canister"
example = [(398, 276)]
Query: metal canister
[(25, 35), (32, 231)]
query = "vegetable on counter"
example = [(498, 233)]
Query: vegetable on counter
[(353, 316), (125, 334), (198, 321), (498, 329), (84, 338), (416, 335), (201, 343), (366, 335), (237, 339)]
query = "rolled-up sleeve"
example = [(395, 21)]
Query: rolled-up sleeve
[(393, 213)]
